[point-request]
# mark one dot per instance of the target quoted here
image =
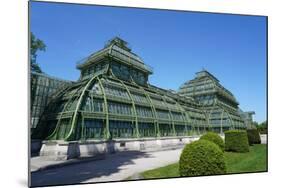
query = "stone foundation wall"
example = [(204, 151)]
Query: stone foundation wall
[(61, 150)]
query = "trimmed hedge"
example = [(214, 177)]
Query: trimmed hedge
[(236, 141), (215, 138), (201, 157), (253, 136)]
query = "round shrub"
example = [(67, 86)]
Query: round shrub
[(201, 157), (236, 141), (253, 136), (215, 138)]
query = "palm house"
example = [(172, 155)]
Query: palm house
[(113, 100)]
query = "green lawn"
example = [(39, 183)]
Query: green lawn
[(253, 161)]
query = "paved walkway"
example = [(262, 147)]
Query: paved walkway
[(44, 163), (263, 138), (114, 167)]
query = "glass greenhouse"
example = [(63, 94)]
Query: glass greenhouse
[(42, 89), (219, 104), (112, 99)]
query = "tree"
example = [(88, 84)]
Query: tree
[(262, 127), (35, 45), (256, 124), (263, 124)]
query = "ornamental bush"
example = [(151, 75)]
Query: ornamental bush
[(215, 138), (253, 136), (201, 157), (236, 141)]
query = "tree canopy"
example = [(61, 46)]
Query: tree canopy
[(262, 127), (35, 46)]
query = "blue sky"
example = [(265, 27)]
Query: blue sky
[(176, 44)]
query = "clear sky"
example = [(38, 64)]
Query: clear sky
[(176, 44)]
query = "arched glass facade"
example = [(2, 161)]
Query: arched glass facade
[(106, 108), (113, 100)]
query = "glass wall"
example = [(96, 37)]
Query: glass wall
[(119, 108), (116, 92), (166, 129), (144, 111), (64, 128), (42, 88), (178, 116), (180, 130), (120, 71), (93, 129), (158, 102), (205, 100), (173, 118), (161, 114), (121, 129), (71, 105), (125, 73), (147, 129), (139, 98), (95, 105), (89, 71), (138, 77)]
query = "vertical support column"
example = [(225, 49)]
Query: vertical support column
[(153, 110), (155, 114), (151, 105), (134, 108), (83, 128), (193, 131), (196, 123), (221, 121), (170, 116), (187, 121), (184, 114), (106, 131), (192, 122)]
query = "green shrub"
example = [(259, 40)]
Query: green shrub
[(237, 141), (215, 138), (201, 157), (253, 136)]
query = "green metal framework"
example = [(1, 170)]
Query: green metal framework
[(113, 99), (219, 104), (43, 88)]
